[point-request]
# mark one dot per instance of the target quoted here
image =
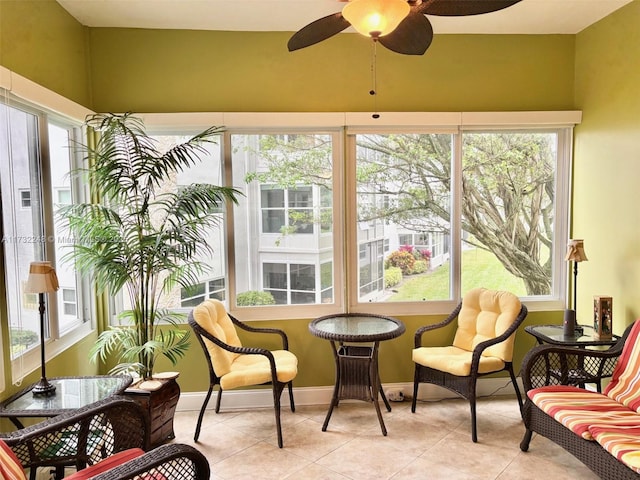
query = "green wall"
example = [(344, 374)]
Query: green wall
[(172, 71), (607, 164), (41, 41)]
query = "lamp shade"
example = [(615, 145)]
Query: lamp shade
[(42, 278), (575, 251), (375, 18)]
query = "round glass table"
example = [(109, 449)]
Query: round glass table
[(357, 375)]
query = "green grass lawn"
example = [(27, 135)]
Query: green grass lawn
[(480, 269)]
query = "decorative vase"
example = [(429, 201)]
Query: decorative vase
[(159, 397)]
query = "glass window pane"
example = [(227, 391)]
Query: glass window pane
[(508, 205), (61, 165), (24, 237), (403, 201), (282, 225)]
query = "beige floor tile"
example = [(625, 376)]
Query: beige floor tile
[(433, 443)]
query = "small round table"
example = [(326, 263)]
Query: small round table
[(357, 375), (576, 374)]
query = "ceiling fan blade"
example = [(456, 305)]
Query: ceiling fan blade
[(412, 37), (318, 31), (462, 7)]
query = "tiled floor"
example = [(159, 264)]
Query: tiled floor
[(433, 443)]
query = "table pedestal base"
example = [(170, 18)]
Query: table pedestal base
[(357, 378)]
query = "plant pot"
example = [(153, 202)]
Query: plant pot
[(159, 397)]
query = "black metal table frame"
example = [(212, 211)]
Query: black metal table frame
[(578, 374), (357, 375)]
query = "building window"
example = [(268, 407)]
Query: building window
[(69, 302), (290, 284), (25, 198), (191, 297)]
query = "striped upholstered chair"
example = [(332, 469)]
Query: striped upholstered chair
[(487, 321), (601, 429)]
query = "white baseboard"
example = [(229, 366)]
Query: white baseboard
[(262, 397)]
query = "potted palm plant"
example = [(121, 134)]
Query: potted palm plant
[(141, 238)]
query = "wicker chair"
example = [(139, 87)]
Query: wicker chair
[(231, 365), (103, 431), (487, 321)]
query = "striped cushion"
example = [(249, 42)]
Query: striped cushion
[(625, 382), (578, 409), (621, 442), (10, 466), (106, 464)]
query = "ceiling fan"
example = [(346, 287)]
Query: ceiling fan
[(408, 31)]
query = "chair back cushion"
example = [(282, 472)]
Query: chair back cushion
[(486, 314), (625, 381), (10, 466), (212, 316)]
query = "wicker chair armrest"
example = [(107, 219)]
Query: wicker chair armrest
[(417, 340), (171, 462), (82, 436), (552, 364), (249, 328), (477, 351)]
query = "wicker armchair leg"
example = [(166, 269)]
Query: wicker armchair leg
[(474, 426), (201, 416), (291, 402), (524, 444), (277, 392)]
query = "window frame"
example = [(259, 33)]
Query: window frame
[(344, 125), (49, 108)]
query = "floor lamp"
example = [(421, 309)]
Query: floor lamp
[(575, 254), (42, 279)]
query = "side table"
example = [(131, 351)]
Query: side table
[(71, 393), (581, 373), (357, 375)]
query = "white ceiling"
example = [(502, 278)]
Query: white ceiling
[(526, 17)]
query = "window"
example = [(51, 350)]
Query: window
[(69, 302), (25, 198), (211, 282), (283, 226), (30, 183), (504, 184), (408, 218)]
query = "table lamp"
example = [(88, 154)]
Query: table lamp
[(42, 279), (575, 254)]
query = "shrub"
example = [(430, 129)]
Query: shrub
[(254, 297), (426, 254), (404, 260), (420, 266), (392, 276)]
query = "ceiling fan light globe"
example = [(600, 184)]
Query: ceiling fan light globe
[(375, 18)]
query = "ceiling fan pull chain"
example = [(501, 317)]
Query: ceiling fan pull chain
[(374, 79)]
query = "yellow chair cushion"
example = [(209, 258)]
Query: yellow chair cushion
[(212, 316), (255, 370), (235, 369), (486, 314), (454, 360)]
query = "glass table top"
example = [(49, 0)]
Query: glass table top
[(356, 327), (71, 393), (554, 334)]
